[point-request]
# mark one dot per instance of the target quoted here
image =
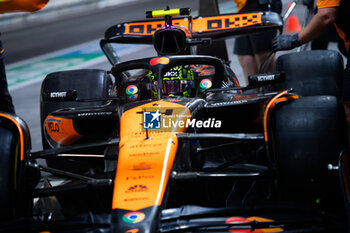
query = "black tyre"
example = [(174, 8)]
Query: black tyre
[(307, 136), (15, 200), (8, 144), (311, 73)]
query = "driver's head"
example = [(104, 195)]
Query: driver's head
[(177, 81)]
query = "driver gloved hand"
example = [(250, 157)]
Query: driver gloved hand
[(285, 42)]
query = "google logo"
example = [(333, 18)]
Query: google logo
[(133, 217)]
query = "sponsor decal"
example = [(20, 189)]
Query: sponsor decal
[(68, 95), (205, 84), (141, 134), (61, 130), (136, 199), (149, 27), (172, 73), (133, 217), (140, 177), (53, 127), (138, 188), (133, 97), (131, 90), (142, 166), (222, 22), (60, 94), (144, 154), (159, 60), (263, 78), (200, 24), (135, 230), (151, 120)]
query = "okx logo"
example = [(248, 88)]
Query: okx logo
[(151, 120)]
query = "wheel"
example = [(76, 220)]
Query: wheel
[(6, 175), (311, 73), (307, 136), (308, 133), (15, 200)]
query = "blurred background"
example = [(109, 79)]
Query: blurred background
[(65, 35)]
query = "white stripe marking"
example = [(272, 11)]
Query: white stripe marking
[(81, 155), (167, 152)]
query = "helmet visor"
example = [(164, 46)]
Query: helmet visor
[(175, 86)]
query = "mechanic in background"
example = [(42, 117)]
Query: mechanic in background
[(254, 48), (329, 12), (7, 6), (330, 35)]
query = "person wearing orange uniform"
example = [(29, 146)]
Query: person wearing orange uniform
[(330, 12), (7, 6), (254, 48)]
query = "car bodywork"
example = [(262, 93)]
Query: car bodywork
[(222, 174)]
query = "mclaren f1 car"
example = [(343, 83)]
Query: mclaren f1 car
[(173, 143)]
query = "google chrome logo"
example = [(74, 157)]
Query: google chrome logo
[(133, 217), (205, 84), (132, 89)]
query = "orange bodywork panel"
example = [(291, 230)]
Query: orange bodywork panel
[(270, 106), (21, 5), (197, 25), (21, 135), (223, 22), (238, 219), (264, 230), (61, 130), (144, 164), (149, 27)]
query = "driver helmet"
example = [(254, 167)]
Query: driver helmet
[(179, 80)]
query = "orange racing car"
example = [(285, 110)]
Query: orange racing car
[(173, 143)]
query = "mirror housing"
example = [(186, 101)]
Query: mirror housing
[(170, 41)]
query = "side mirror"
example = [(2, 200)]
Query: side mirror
[(169, 41)]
